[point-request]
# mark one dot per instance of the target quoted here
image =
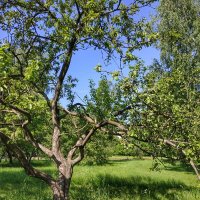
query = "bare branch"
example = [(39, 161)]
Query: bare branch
[(75, 114), (117, 124), (82, 141), (80, 156), (77, 7)]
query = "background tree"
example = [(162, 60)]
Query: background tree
[(165, 95), (179, 44)]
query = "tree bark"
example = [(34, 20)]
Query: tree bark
[(9, 156), (61, 187), (61, 192), (195, 169)]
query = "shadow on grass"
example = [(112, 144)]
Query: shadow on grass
[(35, 163), (7, 164), (137, 187), (124, 159), (16, 185), (41, 163), (180, 168), (100, 187)]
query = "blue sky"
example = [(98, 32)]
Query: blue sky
[(83, 63)]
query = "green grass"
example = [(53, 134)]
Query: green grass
[(118, 180)]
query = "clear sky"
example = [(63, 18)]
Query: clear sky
[(83, 63)]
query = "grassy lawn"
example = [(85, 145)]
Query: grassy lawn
[(120, 179)]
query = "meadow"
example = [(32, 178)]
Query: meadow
[(117, 180)]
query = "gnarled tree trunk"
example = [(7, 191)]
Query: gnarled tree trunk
[(61, 187), (61, 192)]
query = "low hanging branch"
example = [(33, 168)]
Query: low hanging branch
[(85, 138), (174, 145), (23, 160), (32, 140), (20, 112)]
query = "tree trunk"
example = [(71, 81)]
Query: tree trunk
[(61, 187), (9, 156), (3, 155)]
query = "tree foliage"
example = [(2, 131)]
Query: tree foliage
[(42, 38), (165, 95), (154, 108)]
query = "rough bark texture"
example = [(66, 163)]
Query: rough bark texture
[(61, 192), (61, 187)]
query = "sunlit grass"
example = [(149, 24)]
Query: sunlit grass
[(127, 179)]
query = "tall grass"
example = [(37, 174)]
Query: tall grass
[(118, 180)]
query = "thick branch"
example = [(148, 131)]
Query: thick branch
[(82, 141), (73, 150), (75, 114), (24, 162), (77, 7), (31, 138)]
